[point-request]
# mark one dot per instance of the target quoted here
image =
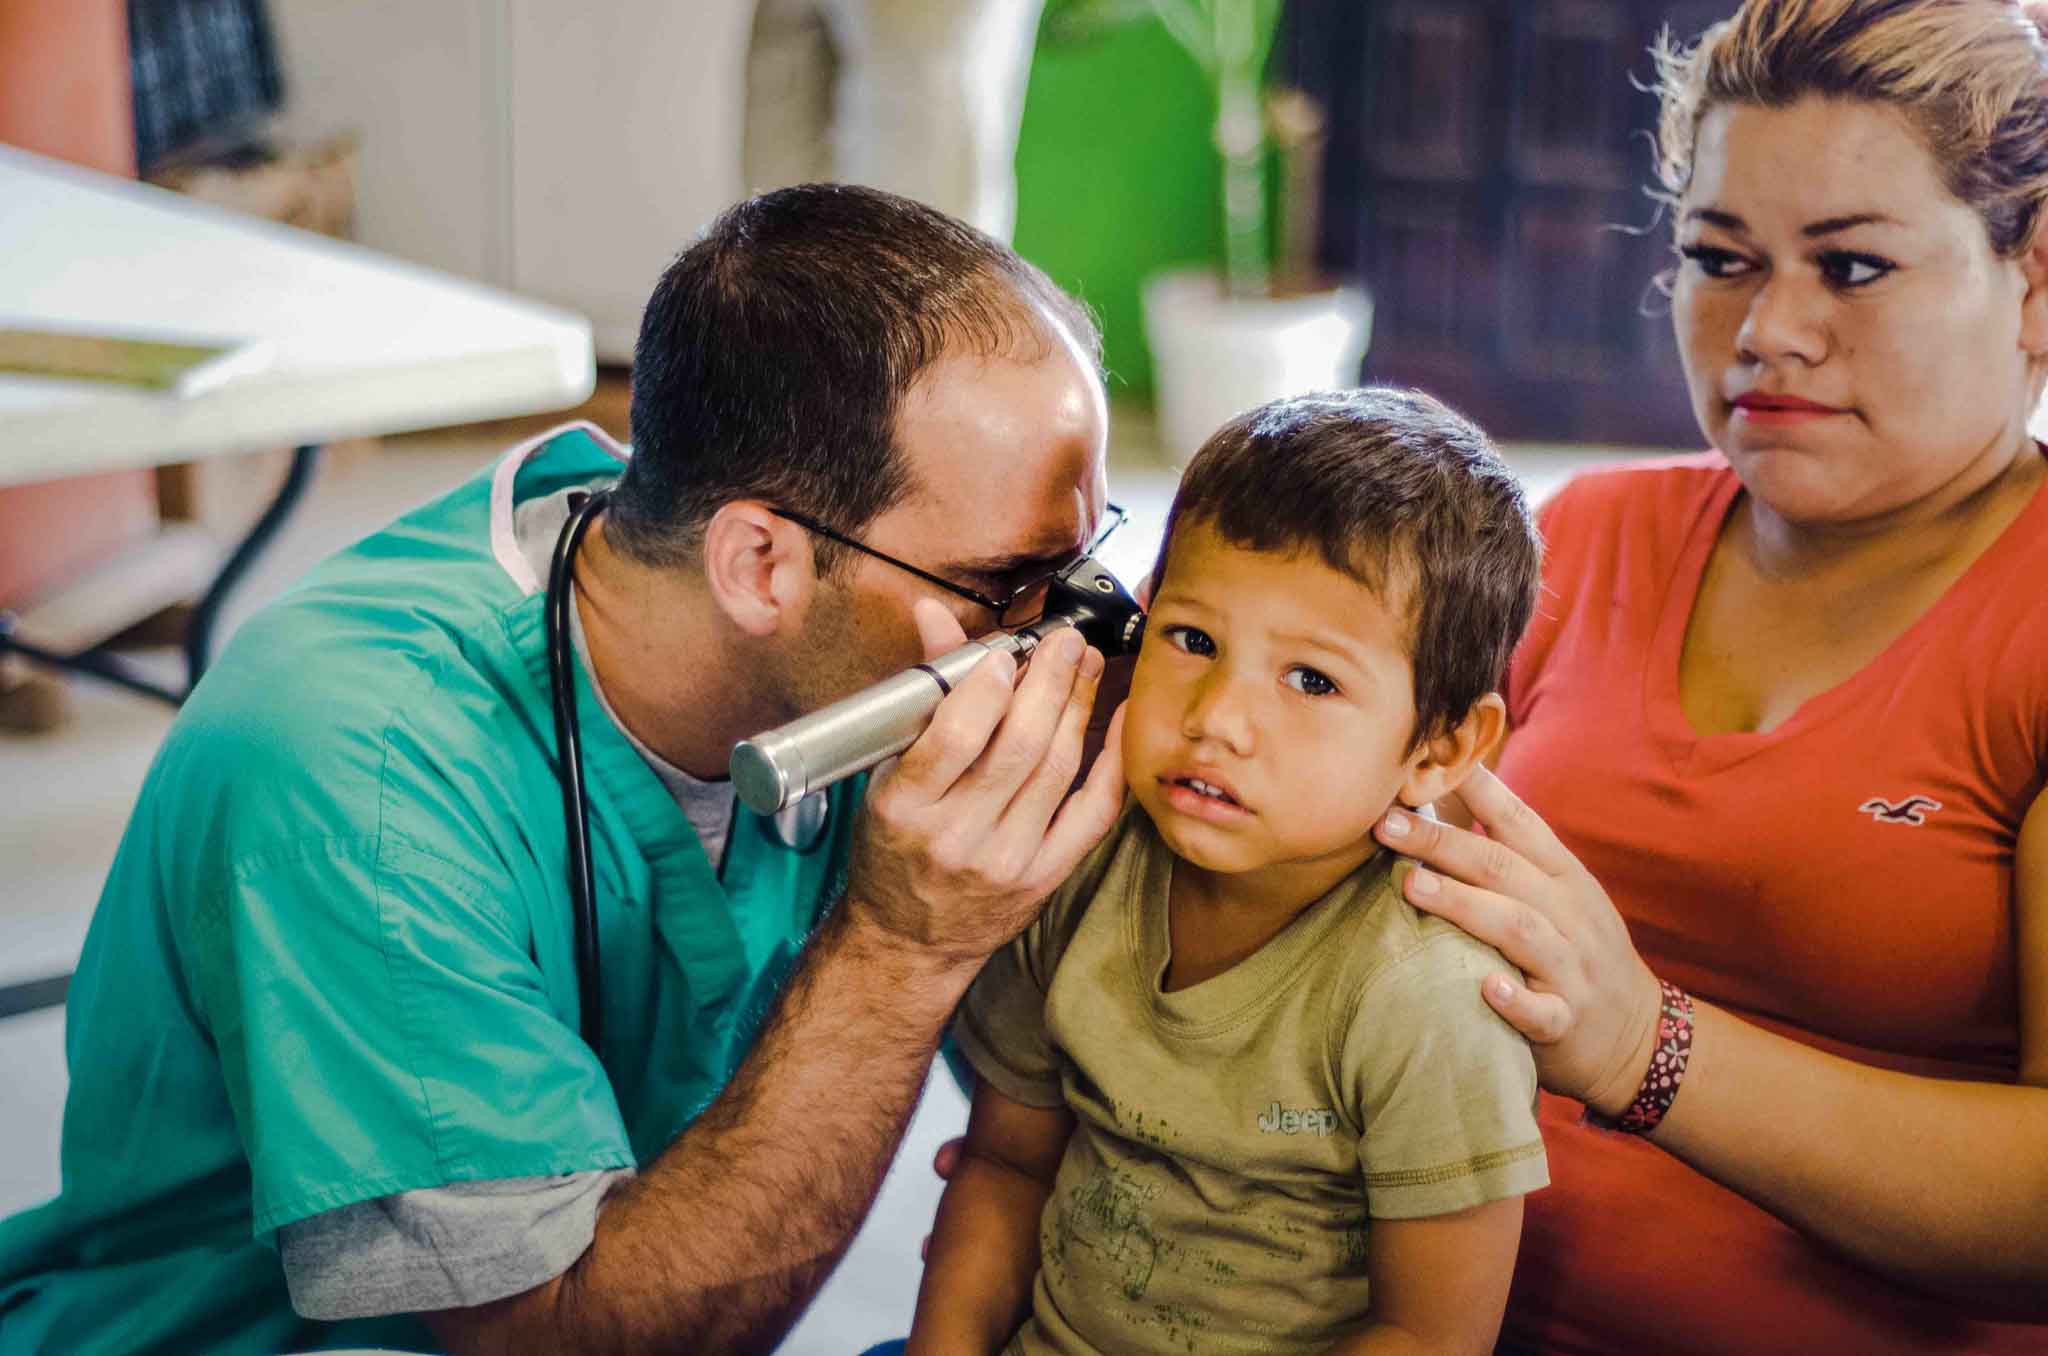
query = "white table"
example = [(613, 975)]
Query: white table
[(361, 345)]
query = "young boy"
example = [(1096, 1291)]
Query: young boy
[(1236, 1094)]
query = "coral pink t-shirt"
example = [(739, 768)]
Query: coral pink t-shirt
[(1845, 879)]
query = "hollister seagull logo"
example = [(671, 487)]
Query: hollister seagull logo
[(1911, 810)]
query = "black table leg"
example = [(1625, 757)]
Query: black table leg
[(33, 995), (199, 634)]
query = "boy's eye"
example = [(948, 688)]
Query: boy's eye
[(1845, 268), (1307, 681), (1191, 639), (1714, 261)]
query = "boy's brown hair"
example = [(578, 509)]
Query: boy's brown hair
[(1404, 495)]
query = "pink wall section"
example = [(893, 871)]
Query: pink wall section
[(64, 91)]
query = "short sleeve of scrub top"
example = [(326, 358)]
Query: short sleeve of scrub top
[(381, 1021)]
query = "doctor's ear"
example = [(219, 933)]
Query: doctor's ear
[(759, 567), (1445, 759)]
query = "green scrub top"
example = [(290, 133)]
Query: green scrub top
[(334, 960)]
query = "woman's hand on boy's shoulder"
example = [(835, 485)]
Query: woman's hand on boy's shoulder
[(1589, 1004)]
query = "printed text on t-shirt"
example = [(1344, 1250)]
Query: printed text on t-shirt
[(1279, 1120)]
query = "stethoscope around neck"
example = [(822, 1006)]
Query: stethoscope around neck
[(800, 827)]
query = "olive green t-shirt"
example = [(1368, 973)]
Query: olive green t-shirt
[(1235, 1139)]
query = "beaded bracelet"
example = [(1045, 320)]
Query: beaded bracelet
[(1667, 1067)]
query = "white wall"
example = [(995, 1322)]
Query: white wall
[(565, 151)]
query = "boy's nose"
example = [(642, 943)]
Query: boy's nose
[(1218, 711)]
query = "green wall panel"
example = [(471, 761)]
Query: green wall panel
[(1117, 177)]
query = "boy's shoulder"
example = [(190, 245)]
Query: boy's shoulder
[(1391, 944), (1415, 1029)]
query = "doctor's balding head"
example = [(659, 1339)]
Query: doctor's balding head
[(776, 351)]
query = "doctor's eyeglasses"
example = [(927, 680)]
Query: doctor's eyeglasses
[(1021, 606)]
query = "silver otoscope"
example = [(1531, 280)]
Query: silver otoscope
[(775, 770)]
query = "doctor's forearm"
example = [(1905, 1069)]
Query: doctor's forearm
[(722, 1241)]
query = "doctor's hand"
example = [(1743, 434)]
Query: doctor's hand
[(1589, 1006), (964, 835)]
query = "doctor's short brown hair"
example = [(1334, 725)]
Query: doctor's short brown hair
[(1404, 495)]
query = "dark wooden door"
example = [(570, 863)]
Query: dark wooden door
[(1485, 179)]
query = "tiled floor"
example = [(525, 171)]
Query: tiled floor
[(67, 797)]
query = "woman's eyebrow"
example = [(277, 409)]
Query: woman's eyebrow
[(1728, 221), (1829, 225), (1714, 216)]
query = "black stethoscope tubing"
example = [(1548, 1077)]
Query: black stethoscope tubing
[(569, 749), (801, 828)]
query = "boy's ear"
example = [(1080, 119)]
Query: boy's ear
[(1445, 760), (758, 567)]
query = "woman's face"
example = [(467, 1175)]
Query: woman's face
[(1851, 342)]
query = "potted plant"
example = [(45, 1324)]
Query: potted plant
[(1264, 325)]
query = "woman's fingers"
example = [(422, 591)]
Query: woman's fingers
[(1542, 1018), (1462, 855), (1510, 822), (1588, 999), (1504, 923)]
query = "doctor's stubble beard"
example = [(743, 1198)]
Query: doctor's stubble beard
[(842, 649)]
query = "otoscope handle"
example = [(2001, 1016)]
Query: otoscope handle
[(775, 770)]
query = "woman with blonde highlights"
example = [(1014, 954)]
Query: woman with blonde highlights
[(1775, 861)]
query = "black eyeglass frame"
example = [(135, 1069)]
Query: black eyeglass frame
[(1115, 515)]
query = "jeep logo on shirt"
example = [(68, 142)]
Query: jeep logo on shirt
[(1279, 1120)]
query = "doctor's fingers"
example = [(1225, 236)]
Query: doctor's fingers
[(1039, 736), (1024, 821), (960, 730), (1086, 815), (938, 630)]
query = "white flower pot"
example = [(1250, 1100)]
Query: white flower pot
[(1215, 356)]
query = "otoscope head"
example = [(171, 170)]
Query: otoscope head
[(774, 770), (1089, 598)]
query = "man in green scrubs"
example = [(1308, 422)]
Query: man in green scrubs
[(327, 1086)]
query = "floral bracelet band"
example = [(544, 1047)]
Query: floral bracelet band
[(1667, 1067)]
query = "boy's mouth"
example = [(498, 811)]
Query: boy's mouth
[(1206, 789)]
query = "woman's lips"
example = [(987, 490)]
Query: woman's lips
[(1780, 410)]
